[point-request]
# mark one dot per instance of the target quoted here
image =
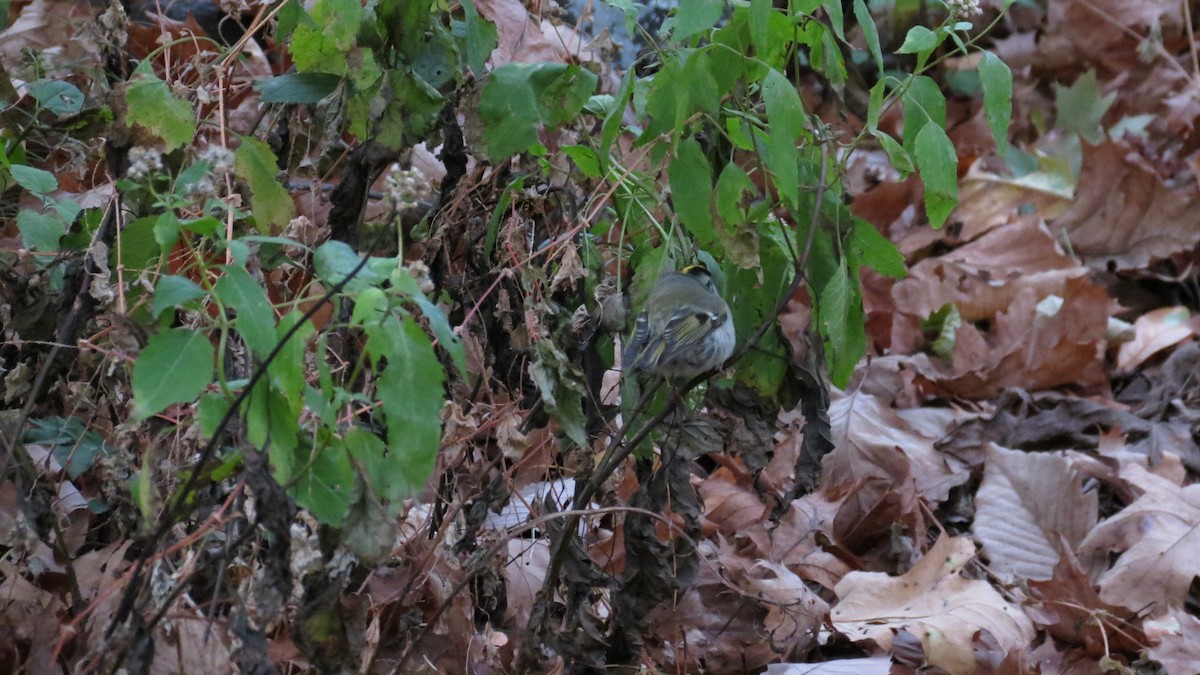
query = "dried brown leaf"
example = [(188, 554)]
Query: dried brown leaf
[(1157, 542), (712, 626), (983, 278), (1124, 213), (1155, 331), (1026, 502), (794, 613), (523, 576), (933, 601), (873, 440), (878, 665), (1069, 608), (728, 506), (32, 618), (1174, 636), (1029, 349), (988, 201)]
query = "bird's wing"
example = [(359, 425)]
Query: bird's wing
[(685, 333), (636, 351)]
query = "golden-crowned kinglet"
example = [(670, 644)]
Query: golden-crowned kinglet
[(685, 328)]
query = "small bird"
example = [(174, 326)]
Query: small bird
[(685, 328)]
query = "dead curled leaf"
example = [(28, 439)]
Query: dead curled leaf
[(867, 436), (1175, 639), (1155, 331), (984, 277), (1157, 542), (1068, 608), (1031, 350), (934, 602), (794, 613), (1026, 504), (1124, 212)]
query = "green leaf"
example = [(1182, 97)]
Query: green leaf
[(862, 16), (371, 453), (435, 61), (834, 9), (896, 153), (297, 87), (938, 164), (175, 367), (326, 484), (406, 22), (404, 282), (210, 410), (1081, 107), (732, 186), (205, 226), (691, 191), (410, 393), (600, 105), (365, 72), (785, 110), (370, 306), (255, 318), (759, 21), (290, 15), (920, 40), (39, 182), (728, 68), (946, 322), (738, 233), (288, 370), (270, 202), (694, 16), (704, 93), (149, 103), (738, 131), (786, 113), (335, 260), (138, 247), (480, 38), (173, 291), (752, 300), (40, 231), (166, 231), (187, 180), (313, 51), (73, 446), (67, 209), (872, 248), (666, 101), (271, 424), (338, 19), (411, 107), (557, 379), (875, 104), (996, 80), (59, 97), (923, 104), (585, 158), (519, 97), (826, 56), (840, 312)]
